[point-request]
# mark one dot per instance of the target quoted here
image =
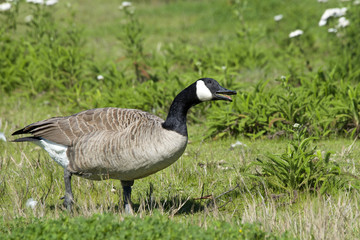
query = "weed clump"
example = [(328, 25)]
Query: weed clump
[(300, 168)]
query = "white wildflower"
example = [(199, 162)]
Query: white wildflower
[(223, 68), (51, 2), (35, 1), (100, 77), (31, 203), (296, 33), (296, 125), (237, 143), (322, 23), (356, 2), (331, 12), (332, 30), (2, 137), (322, 1), (343, 22), (28, 18), (278, 17), (43, 2), (125, 4), (5, 7)]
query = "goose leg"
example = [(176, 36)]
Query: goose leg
[(126, 185), (68, 198)]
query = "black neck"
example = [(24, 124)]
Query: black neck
[(176, 119)]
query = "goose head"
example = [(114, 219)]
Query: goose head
[(208, 89), (204, 89)]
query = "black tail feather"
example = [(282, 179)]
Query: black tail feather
[(26, 139), (31, 127), (21, 131)]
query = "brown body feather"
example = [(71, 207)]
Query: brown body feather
[(65, 130), (102, 143)]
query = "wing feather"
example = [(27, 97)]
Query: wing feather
[(65, 130)]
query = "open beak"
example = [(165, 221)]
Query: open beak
[(223, 94)]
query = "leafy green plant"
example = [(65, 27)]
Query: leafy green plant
[(47, 58), (301, 167), (347, 47), (132, 39), (247, 52), (348, 113), (108, 226), (10, 18), (249, 114), (291, 104)]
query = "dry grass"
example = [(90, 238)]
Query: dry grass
[(322, 217)]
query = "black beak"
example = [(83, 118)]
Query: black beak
[(224, 94)]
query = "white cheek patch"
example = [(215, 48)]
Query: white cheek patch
[(203, 92), (56, 151)]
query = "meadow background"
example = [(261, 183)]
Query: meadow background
[(279, 162)]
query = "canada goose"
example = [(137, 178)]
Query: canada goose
[(116, 143)]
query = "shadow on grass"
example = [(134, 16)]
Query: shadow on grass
[(174, 206)]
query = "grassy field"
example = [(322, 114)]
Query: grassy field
[(50, 66)]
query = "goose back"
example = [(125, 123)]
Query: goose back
[(66, 130)]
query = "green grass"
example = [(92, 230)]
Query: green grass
[(113, 227), (51, 69)]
